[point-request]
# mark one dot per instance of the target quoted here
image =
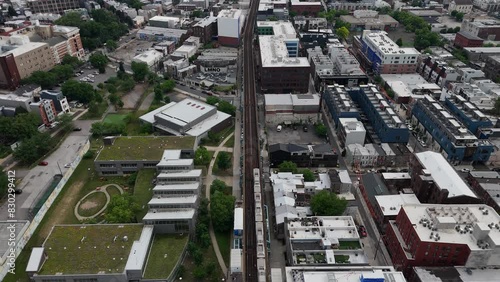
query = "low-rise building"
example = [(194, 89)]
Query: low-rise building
[(324, 240), (342, 273), (311, 8), (487, 29), (435, 69), (465, 39), (309, 23), (337, 103), (371, 20), (206, 29), (435, 181), (436, 235), (491, 68), (352, 6), (303, 155), (487, 5), (388, 207), (446, 134), (149, 57), (188, 117), (165, 22), (481, 53), (410, 87), (454, 273), (126, 155), (152, 33), (291, 108), (486, 184), (461, 6), (46, 110), (351, 131), (52, 6)]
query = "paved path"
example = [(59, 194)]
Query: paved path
[(225, 149), (102, 189), (208, 182), (147, 102)]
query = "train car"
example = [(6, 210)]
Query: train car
[(261, 269), (261, 247)]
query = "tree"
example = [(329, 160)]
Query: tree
[(63, 72), (121, 209), (168, 85), (80, 91), (460, 16), (127, 84), (158, 94), (326, 203), (219, 185), (201, 156), (106, 128), (166, 99), (18, 128), (197, 14), (342, 32), (227, 108), (33, 148), (121, 67), (111, 45), (140, 70), (288, 166), (65, 122), (399, 42), (320, 129), (72, 61), (222, 211), (212, 100), (45, 79), (113, 99), (454, 13), (99, 61), (11, 11), (224, 160), (4, 183), (308, 175)]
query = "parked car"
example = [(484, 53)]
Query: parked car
[(305, 128), (362, 231), (43, 163), (68, 165), (16, 191), (77, 129), (465, 170), (192, 87)]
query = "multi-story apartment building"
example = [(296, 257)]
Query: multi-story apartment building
[(384, 56), (351, 131), (337, 103), (205, 29), (229, 25), (435, 70), (280, 70), (447, 135), (21, 58), (309, 23), (437, 235), (488, 29), (435, 181), (487, 5), (46, 110), (63, 40), (52, 6), (59, 100), (306, 8), (352, 5), (468, 114)]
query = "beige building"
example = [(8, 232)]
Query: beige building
[(63, 40), (52, 6)]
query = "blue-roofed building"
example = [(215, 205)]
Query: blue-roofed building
[(339, 104), (468, 114), (446, 134), (384, 121)]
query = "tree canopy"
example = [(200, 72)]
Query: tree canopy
[(222, 211), (219, 185), (80, 91), (33, 148), (201, 156), (107, 128), (140, 70), (308, 175), (121, 209), (99, 61), (320, 129), (326, 203), (18, 128), (342, 32), (227, 108), (288, 166), (224, 160)]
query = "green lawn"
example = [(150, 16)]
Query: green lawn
[(224, 242), (143, 190), (67, 252), (144, 147), (165, 252), (217, 171), (112, 191), (351, 245), (341, 258), (115, 118), (95, 201), (222, 135), (230, 142)]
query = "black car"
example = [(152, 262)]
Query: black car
[(192, 88), (305, 128), (77, 129), (17, 191)]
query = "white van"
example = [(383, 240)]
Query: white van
[(278, 128)]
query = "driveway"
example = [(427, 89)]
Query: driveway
[(37, 180)]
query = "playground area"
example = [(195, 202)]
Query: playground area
[(95, 202)]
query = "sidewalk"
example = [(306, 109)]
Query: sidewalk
[(208, 181)]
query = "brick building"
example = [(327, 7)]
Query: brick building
[(205, 29), (486, 184), (437, 235), (465, 39), (435, 181)]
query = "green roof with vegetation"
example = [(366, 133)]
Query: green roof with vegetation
[(150, 148), (165, 252), (89, 249)]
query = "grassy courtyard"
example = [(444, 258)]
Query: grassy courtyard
[(143, 190), (92, 204), (115, 118), (165, 252), (224, 242)]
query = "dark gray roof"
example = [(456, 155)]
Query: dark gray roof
[(463, 2), (323, 148), (287, 147), (469, 35)]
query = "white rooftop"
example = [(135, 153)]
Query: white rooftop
[(230, 13), (179, 186), (139, 250), (396, 175), (172, 157), (444, 174), (170, 215), (189, 173), (456, 224), (391, 204), (164, 19), (352, 125), (404, 84), (292, 99), (173, 200), (331, 228), (342, 273), (381, 39)]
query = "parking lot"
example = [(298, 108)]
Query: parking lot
[(289, 135)]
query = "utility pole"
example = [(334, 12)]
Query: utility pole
[(60, 171)]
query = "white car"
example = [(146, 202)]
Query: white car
[(68, 165), (465, 170), (91, 75)]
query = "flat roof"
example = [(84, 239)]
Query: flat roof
[(343, 273), (188, 173), (173, 200), (166, 250), (140, 248), (230, 13), (89, 249), (491, 50), (425, 13), (328, 227), (396, 175), (177, 187), (170, 215), (380, 39), (164, 19), (445, 219), (143, 147), (444, 175), (391, 204), (171, 32)]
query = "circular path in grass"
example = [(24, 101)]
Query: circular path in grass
[(95, 202)]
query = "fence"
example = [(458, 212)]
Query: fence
[(43, 210)]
